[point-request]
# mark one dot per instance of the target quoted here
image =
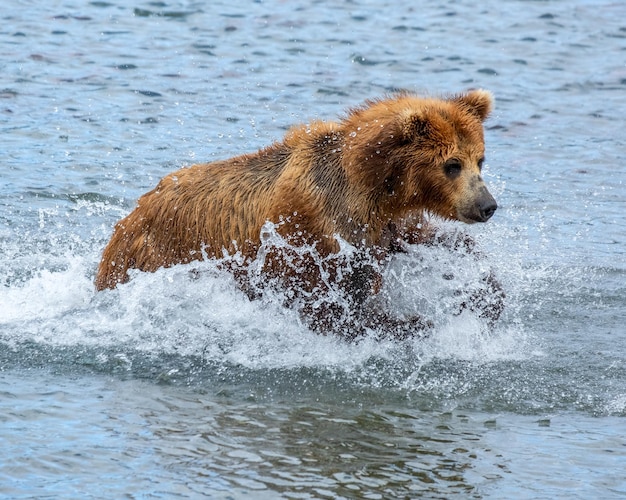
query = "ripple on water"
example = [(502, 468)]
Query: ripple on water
[(182, 385)]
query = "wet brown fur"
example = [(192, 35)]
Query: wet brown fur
[(367, 178)]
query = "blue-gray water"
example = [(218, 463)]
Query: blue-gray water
[(178, 387)]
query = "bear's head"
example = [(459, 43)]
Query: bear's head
[(425, 154)]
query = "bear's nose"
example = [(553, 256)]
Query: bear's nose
[(487, 208)]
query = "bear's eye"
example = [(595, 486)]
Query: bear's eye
[(452, 168), (480, 163)]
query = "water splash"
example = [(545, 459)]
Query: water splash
[(197, 310)]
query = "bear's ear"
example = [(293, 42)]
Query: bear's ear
[(477, 102), (414, 125)]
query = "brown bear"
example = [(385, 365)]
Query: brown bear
[(366, 180)]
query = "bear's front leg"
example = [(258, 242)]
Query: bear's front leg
[(486, 301), (336, 303), (388, 327)]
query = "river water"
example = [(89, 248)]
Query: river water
[(173, 386)]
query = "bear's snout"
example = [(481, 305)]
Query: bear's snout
[(477, 208), (486, 205)]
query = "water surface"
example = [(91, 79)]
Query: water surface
[(179, 386)]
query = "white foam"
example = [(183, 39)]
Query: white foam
[(616, 406), (205, 314), (46, 295)]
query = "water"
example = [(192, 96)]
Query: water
[(174, 385)]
